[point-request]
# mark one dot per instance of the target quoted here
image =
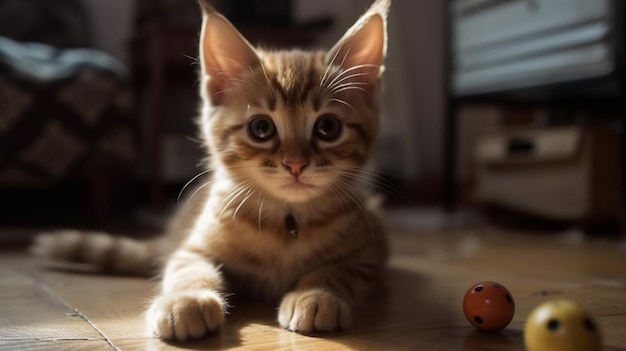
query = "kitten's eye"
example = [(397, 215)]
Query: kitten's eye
[(327, 127), (261, 128)]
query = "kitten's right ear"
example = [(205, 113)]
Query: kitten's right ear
[(362, 49), (225, 55)]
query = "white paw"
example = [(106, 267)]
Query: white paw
[(186, 315), (315, 310)]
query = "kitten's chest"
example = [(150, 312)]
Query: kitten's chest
[(271, 260), (282, 248)]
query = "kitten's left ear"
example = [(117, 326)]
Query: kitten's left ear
[(363, 48), (225, 55)]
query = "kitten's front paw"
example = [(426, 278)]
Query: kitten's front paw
[(186, 315), (315, 310)]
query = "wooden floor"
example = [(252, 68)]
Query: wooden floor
[(50, 309)]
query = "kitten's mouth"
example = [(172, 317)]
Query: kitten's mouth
[(297, 184), (296, 190)]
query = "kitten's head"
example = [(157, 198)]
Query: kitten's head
[(295, 124)]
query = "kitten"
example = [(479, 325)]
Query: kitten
[(281, 216)]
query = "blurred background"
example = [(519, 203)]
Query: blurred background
[(493, 108)]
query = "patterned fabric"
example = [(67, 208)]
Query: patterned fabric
[(63, 113)]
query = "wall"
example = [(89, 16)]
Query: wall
[(112, 21), (417, 61)]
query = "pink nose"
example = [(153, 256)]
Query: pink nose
[(295, 166)]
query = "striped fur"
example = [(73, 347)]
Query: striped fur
[(282, 216)]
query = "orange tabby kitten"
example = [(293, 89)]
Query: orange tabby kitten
[(282, 216)]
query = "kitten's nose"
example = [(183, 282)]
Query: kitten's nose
[(295, 166)]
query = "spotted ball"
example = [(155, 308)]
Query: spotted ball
[(488, 306), (561, 325)]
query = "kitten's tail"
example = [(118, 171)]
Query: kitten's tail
[(112, 254)]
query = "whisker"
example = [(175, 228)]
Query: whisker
[(338, 88), (349, 70), (332, 61), (247, 196), (195, 140), (194, 60), (343, 60), (344, 78), (357, 198), (375, 180), (342, 200), (342, 102), (260, 202), (196, 191), (232, 196), (349, 88), (191, 181), (267, 78)]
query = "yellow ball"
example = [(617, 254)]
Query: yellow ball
[(561, 325)]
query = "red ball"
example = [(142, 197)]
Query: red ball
[(488, 306)]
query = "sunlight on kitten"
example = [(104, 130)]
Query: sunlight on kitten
[(280, 214)]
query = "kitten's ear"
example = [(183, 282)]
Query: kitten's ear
[(363, 47), (225, 55)]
